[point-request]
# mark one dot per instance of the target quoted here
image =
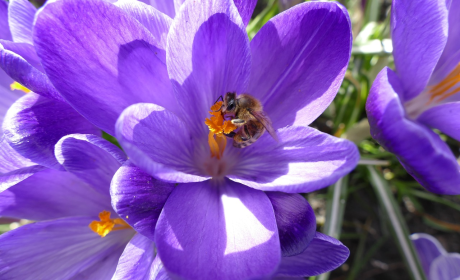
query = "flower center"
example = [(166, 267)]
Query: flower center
[(446, 87), (106, 225), (18, 86), (217, 128)]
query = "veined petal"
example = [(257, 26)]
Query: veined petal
[(4, 27), (43, 194), (245, 8), (159, 142), (156, 22), (417, 43), (18, 175), (304, 160), (225, 231), (139, 198), (10, 160), (445, 267), (428, 249), (299, 60), (103, 62), (21, 15), (7, 96), (136, 261), (170, 7), (422, 153), (34, 124), (295, 220), (443, 117), (91, 158), (207, 55), (323, 254), (60, 249)]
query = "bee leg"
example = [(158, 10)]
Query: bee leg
[(238, 121), (231, 134), (245, 135)]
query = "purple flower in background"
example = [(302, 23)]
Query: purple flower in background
[(436, 262), (424, 93), (237, 216)]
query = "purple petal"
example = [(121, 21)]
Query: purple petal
[(446, 267), (451, 55), (428, 249), (97, 65), (299, 61), (158, 271), (50, 194), (10, 160), (136, 260), (322, 255), (7, 96), (4, 27), (158, 141), (138, 198), (91, 158), (295, 220), (417, 43), (166, 7), (224, 231), (443, 117), (34, 124), (422, 153), (26, 70), (304, 160), (156, 22), (245, 8), (60, 249), (21, 15), (16, 176), (207, 55)]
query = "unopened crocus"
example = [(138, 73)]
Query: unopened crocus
[(436, 262), (423, 94), (230, 213), (77, 234)]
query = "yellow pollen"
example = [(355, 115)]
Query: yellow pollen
[(217, 127), (106, 225), (444, 88), (18, 86)]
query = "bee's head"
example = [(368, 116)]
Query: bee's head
[(229, 102)]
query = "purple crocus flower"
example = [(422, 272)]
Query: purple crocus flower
[(436, 262), (424, 93), (65, 241), (232, 216)]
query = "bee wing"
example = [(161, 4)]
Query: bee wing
[(266, 122)]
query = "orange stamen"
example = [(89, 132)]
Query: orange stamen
[(18, 86), (106, 225), (217, 127), (444, 88)]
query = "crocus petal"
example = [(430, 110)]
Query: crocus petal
[(295, 220), (91, 158), (451, 55), (11, 160), (156, 22), (158, 141), (245, 8), (136, 260), (428, 249), (32, 130), (207, 55), (7, 96), (297, 68), (304, 160), (4, 28), (18, 175), (49, 194), (169, 7), (445, 267), (422, 153), (97, 65), (443, 117), (158, 271), (417, 43), (59, 249), (26, 70), (225, 231), (323, 254), (138, 198), (21, 15)]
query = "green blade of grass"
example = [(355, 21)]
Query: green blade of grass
[(397, 224)]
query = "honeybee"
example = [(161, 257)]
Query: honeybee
[(247, 113)]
